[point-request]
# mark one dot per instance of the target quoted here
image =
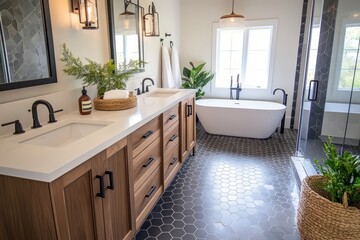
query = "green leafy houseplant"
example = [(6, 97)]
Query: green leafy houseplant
[(342, 175), (196, 78), (106, 77)]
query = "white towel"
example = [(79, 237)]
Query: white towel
[(116, 94), (175, 67), (167, 78)]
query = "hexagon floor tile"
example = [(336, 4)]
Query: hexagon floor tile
[(233, 188)]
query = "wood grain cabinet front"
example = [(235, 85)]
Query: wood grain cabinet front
[(171, 138), (146, 162), (170, 117), (147, 195), (187, 125), (91, 200), (143, 136)]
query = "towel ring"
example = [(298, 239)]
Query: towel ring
[(162, 41), (171, 44)]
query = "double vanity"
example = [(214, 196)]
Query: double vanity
[(96, 176)]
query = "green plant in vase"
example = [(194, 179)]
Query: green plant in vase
[(105, 76), (342, 175), (196, 78)]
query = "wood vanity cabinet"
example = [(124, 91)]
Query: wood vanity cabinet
[(108, 196), (188, 128), (92, 201)]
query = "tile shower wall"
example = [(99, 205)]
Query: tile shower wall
[(298, 63), (24, 39), (322, 69)]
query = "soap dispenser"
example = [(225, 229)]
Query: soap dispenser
[(84, 103)]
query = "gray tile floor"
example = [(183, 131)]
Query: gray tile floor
[(234, 188)]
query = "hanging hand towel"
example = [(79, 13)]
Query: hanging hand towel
[(167, 78), (175, 67)]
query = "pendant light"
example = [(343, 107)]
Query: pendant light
[(232, 19), (127, 18)]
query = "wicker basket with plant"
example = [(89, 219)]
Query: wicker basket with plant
[(329, 204)]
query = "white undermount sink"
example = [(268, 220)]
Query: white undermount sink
[(64, 134), (163, 93)]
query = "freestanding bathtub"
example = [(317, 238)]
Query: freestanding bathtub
[(239, 118)]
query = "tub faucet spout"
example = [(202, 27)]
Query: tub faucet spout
[(237, 88), (284, 103)]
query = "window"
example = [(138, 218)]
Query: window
[(246, 54), (348, 60), (130, 48)]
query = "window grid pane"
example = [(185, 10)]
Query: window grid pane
[(348, 68)]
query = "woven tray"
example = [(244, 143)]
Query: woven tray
[(320, 218), (115, 104)]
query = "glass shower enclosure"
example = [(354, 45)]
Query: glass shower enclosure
[(330, 105)]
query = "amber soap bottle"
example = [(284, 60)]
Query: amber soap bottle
[(84, 103)]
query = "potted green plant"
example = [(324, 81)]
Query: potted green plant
[(329, 203), (196, 78), (106, 77)]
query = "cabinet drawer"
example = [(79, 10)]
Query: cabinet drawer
[(170, 117), (147, 194), (145, 135), (171, 138), (146, 162), (171, 162)]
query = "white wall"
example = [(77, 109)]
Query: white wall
[(198, 16), (92, 44)]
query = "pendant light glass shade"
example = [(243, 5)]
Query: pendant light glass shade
[(232, 19)]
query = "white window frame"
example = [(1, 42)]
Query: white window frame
[(224, 92), (336, 94)]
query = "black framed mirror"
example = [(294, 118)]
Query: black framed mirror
[(26, 44), (126, 32)]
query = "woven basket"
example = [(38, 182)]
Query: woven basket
[(320, 218), (115, 104)]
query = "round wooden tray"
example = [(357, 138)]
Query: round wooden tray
[(115, 104)]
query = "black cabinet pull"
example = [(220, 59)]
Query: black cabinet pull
[(189, 110), (146, 135), (148, 162), (173, 138), (152, 190), (111, 179), (172, 117), (102, 189), (313, 90), (174, 161)]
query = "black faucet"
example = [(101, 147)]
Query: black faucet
[(284, 103), (36, 123), (143, 85), (237, 88)]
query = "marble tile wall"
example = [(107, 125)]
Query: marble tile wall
[(24, 36)]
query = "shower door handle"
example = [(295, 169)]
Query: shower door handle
[(313, 90)]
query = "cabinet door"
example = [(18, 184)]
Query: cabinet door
[(117, 204), (77, 208), (190, 126), (25, 210), (183, 125), (188, 131)]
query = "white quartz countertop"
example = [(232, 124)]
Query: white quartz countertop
[(46, 163)]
